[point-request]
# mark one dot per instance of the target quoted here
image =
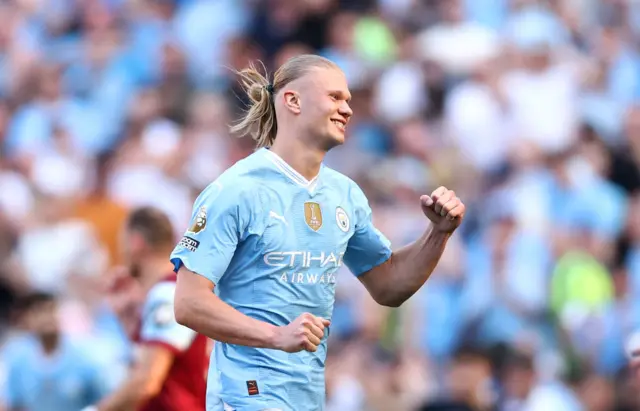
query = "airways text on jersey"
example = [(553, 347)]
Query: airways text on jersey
[(308, 278), (305, 267)]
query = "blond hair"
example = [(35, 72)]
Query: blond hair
[(260, 119)]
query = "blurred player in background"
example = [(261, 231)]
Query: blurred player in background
[(47, 370), (633, 353), (169, 372), (271, 233)]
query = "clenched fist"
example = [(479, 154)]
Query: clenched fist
[(444, 209), (304, 333)]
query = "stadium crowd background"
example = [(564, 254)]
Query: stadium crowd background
[(527, 109)]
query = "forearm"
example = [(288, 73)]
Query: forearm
[(127, 397), (410, 267), (206, 314)]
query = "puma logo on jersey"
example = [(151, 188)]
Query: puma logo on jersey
[(273, 214), (252, 388)]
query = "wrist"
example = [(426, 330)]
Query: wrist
[(437, 236), (270, 339)]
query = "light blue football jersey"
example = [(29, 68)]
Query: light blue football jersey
[(68, 380), (272, 243)]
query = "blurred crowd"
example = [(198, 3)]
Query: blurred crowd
[(527, 109)]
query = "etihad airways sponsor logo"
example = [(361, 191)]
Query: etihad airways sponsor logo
[(303, 259)]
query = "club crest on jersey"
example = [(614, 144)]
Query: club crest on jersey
[(313, 215), (200, 221), (342, 219)]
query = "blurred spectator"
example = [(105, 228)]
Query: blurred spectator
[(468, 384), (528, 109), (45, 368), (476, 115), (456, 44), (105, 216)]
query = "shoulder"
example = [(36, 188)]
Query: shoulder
[(161, 293), (240, 181), (17, 348), (349, 188), (158, 305), (340, 180), (159, 325)]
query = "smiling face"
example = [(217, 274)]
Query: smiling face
[(42, 319), (320, 99)]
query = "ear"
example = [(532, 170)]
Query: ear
[(292, 101)]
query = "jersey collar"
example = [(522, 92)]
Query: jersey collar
[(292, 174)]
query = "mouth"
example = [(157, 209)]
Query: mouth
[(341, 124)]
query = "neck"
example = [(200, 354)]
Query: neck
[(50, 343), (154, 270), (303, 158)]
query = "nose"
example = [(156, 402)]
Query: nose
[(345, 110)]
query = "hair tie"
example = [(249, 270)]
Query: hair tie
[(269, 88)]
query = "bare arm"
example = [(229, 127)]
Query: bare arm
[(405, 272), (396, 280), (198, 308), (145, 381)]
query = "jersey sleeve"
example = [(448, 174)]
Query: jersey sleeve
[(159, 325), (368, 247), (217, 225)]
